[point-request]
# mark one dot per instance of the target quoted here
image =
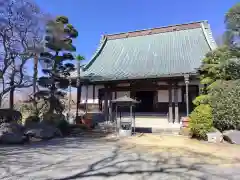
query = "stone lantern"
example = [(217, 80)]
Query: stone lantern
[(125, 123)]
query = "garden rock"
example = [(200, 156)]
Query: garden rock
[(215, 137), (42, 131), (12, 133), (232, 136)]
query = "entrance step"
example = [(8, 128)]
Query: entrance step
[(174, 131)]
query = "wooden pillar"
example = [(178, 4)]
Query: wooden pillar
[(106, 102), (186, 79), (110, 105), (183, 93), (93, 93), (133, 94), (176, 109), (170, 108), (100, 98)]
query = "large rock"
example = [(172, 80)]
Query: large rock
[(12, 133), (232, 136), (40, 133), (41, 130)]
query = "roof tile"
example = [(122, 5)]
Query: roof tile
[(152, 53)]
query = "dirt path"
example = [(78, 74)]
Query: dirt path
[(184, 146)]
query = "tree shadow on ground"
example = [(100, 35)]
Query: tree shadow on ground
[(27, 158), (164, 165), (87, 158)]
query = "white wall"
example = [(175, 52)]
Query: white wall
[(89, 94), (163, 95), (123, 93), (83, 94)]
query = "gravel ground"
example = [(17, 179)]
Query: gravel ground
[(97, 159)]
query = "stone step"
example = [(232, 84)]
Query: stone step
[(158, 130)]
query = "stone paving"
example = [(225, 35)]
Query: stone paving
[(97, 159)]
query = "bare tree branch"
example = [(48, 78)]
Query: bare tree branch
[(21, 27)]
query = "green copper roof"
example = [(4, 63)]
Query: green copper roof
[(152, 53)]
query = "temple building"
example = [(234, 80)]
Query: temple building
[(158, 67)]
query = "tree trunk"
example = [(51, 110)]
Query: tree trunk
[(78, 87), (35, 76), (53, 89), (1, 99), (11, 95), (35, 73), (69, 99)]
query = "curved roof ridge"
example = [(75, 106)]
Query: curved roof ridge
[(161, 29), (208, 35), (101, 45)]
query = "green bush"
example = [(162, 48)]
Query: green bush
[(58, 121), (202, 99), (225, 102), (52, 118), (231, 69), (63, 126), (31, 119), (201, 121), (79, 126)]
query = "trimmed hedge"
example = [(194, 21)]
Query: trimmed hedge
[(225, 102), (201, 121)]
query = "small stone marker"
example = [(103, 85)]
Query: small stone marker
[(215, 137)]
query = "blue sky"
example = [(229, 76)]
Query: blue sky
[(93, 18)]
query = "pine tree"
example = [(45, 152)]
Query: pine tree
[(232, 34), (59, 36)]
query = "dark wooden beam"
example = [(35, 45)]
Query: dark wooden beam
[(143, 87), (176, 109), (93, 93), (170, 108), (110, 105), (183, 93), (86, 100), (106, 89), (133, 90)]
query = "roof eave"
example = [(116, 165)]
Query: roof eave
[(177, 75), (208, 35), (97, 52)]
